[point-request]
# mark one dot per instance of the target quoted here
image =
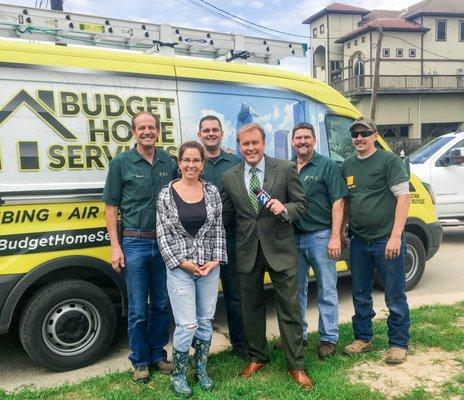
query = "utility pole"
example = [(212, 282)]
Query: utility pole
[(376, 78)]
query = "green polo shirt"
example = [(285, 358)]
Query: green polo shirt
[(133, 185), (323, 185), (213, 170), (372, 203)]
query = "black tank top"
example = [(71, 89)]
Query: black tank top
[(191, 215)]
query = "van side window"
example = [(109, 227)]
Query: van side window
[(338, 135), (237, 105), (421, 155)]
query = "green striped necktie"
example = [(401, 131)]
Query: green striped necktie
[(254, 186)]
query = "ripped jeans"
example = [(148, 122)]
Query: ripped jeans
[(193, 301)]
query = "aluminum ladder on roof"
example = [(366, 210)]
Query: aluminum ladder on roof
[(71, 28)]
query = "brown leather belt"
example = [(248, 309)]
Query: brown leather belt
[(142, 234)]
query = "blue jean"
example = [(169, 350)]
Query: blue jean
[(193, 301), (365, 257), (312, 251), (148, 324)]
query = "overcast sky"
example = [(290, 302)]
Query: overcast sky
[(282, 15)]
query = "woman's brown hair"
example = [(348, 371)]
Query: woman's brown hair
[(191, 145)]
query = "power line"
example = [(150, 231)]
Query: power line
[(217, 13), (254, 23), (234, 19), (194, 4)]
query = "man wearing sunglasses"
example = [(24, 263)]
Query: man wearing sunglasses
[(377, 209)]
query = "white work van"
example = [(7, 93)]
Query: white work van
[(440, 164)]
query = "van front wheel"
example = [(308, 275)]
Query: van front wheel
[(414, 265), (67, 324)]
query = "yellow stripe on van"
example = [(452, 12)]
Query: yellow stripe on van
[(25, 263)]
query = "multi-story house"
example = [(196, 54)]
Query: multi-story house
[(421, 75)]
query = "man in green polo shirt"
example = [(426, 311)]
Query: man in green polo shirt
[(218, 161), (134, 180), (378, 186), (318, 233)]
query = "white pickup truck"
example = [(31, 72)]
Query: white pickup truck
[(440, 164)]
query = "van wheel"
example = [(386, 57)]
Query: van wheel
[(415, 262), (67, 324)]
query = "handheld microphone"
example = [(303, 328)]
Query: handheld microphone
[(263, 198)]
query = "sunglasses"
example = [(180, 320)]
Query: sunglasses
[(364, 134)]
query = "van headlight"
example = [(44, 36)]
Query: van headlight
[(431, 192)]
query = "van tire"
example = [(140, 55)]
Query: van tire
[(67, 324), (415, 262)]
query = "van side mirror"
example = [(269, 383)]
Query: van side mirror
[(407, 164)]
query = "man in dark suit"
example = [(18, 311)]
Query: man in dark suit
[(264, 243)]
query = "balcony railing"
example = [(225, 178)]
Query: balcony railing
[(360, 84)]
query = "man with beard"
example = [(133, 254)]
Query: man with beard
[(134, 180), (378, 186), (318, 233), (218, 161)]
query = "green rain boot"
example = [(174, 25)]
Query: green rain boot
[(178, 375), (201, 361)]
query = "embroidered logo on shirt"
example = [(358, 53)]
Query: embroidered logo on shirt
[(350, 182), (312, 178)]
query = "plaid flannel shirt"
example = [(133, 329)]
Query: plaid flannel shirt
[(176, 245)]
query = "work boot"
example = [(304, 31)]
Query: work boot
[(357, 347), (163, 366), (141, 374), (396, 355), (178, 376), (325, 349), (201, 361)]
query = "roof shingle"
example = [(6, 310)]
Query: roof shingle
[(447, 7), (387, 24), (380, 14), (337, 8)]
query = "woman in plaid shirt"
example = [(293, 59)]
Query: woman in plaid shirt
[(192, 241)]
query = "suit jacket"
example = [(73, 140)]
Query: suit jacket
[(277, 239)]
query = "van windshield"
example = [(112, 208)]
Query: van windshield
[(338, 134), (422, 154)]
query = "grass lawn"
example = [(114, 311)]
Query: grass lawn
[(441, 327)]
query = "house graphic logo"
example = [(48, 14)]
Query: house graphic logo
[(43, 107), (97, 128)]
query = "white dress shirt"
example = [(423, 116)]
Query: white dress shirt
[(259, 173)]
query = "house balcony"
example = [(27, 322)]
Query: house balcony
[(399, 84)]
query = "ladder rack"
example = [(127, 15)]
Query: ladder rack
[(71, 28)]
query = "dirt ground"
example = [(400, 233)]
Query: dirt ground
[(460, 323), (428, 369)]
